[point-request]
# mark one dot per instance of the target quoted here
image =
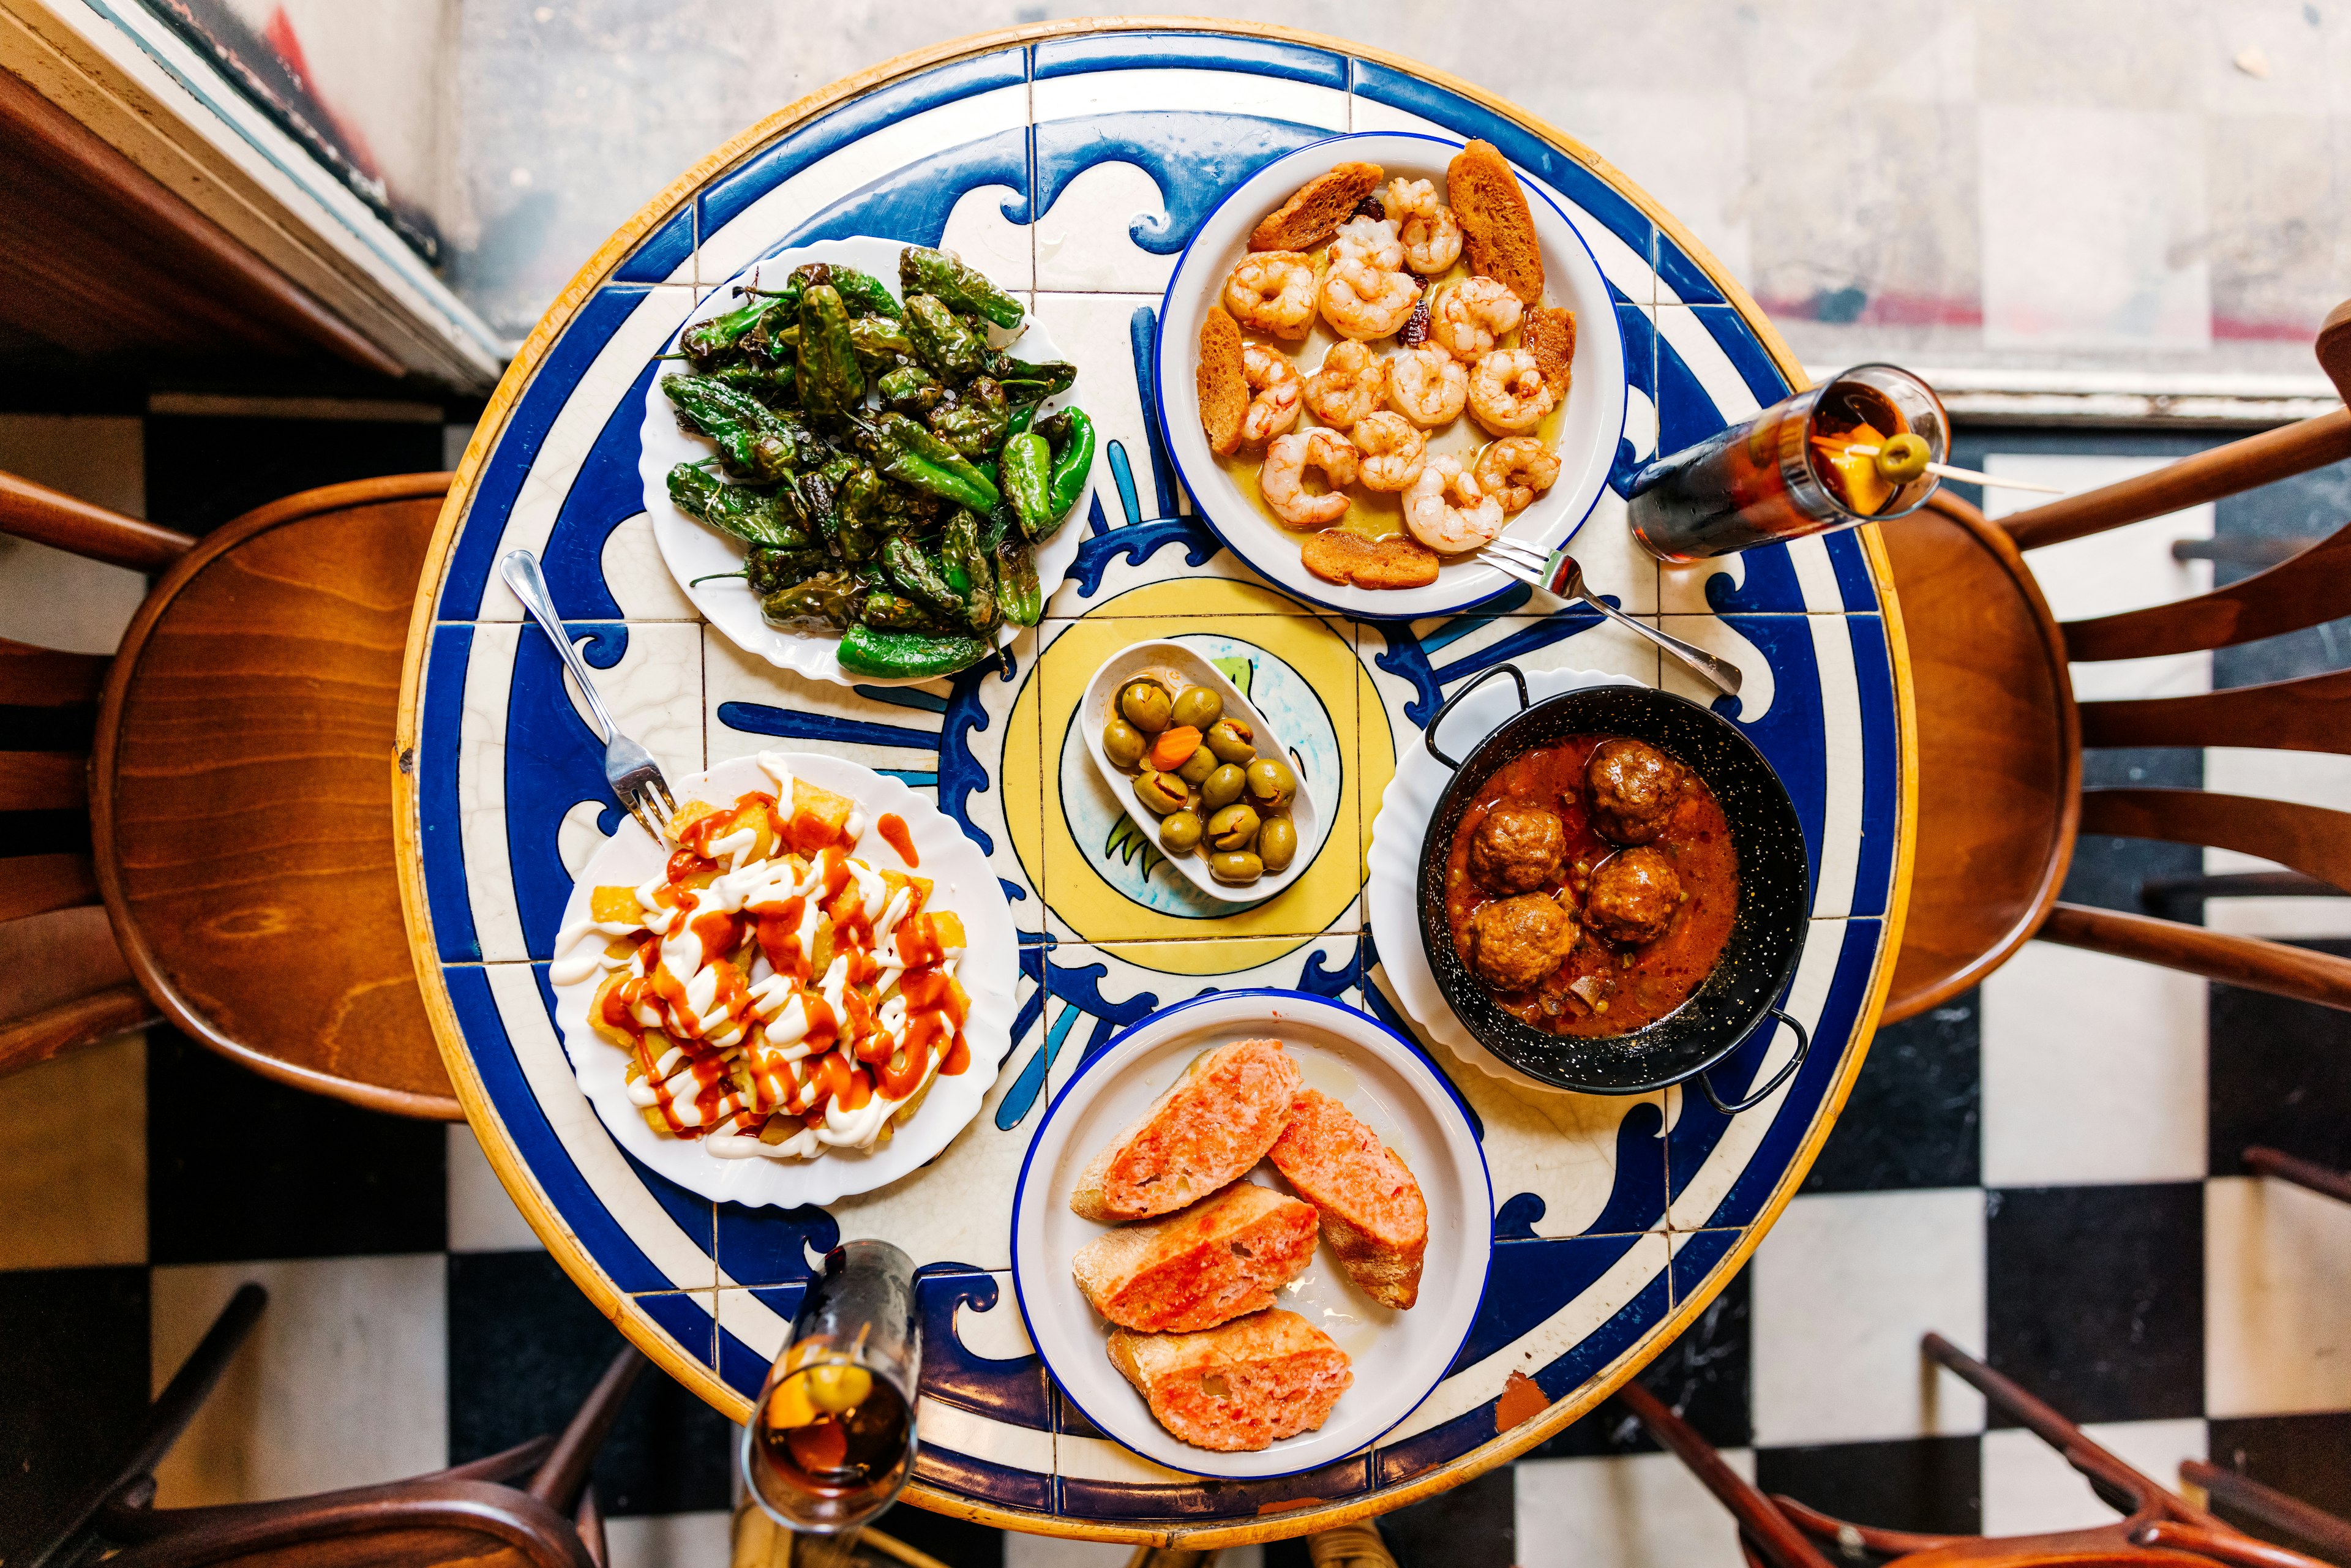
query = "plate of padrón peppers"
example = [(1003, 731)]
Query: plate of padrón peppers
[(860, 459)]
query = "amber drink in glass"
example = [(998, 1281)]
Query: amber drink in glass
[(1785, 472), (832, 1439)]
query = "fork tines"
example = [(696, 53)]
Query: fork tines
[(1515, 557), (646, 794)]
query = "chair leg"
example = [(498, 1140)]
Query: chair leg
[(589, 1521), (165, 1419), (2120, 1487), (2301, 1172), (1760, 1520), (560, 1479), (2271, 1509)]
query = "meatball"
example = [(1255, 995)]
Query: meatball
[(1634, 895), (1630, 789), (1514, 942), (1518, 847)]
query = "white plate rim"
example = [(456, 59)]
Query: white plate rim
[(1392, 877), (1436, 599), (991, 954), (1409, 1062), (1122, 787), (722, 604)]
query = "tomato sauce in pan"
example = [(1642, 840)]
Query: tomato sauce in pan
[(1628, 985)]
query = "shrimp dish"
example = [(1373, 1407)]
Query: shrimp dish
[(1402, 387)]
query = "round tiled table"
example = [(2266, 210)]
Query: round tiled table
[(1071, 162)]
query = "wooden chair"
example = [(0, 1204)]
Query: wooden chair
[(2234, 1497), (460, 1515), (2000, 736), (242, 882), (2158, 1529)]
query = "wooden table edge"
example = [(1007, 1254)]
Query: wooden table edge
[(583, 1270)]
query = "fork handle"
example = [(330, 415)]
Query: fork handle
[(1721, 674), (520, 570)]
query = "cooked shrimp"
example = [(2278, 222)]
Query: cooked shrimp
[(1394, 451), (1447, 510), (1514, 471), (1427, 386), (1361, 300), (1276, 383), (1372, 241), (1508, 394), (1350, 384), (1430, 234), (1272, 291), (1471, 314), (1282, 480)]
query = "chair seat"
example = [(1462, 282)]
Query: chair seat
[(1998, 752), (242, 800)]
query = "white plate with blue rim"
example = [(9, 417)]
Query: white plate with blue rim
[(699, 556), (1398, 1358), (1590, 427)]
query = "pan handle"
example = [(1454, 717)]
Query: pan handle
[(1803, 1049), (1429, 735)]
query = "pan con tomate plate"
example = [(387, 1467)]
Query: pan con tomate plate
[(787, 997)]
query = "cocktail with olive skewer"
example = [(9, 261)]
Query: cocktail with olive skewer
[(1195, 769)]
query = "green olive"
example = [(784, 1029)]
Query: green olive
[(1234, 828), (1270, 782), (1199, 707), (1197, 767), (1146, 704), (1233, 739), (1122, 742), (1180, 831), (1276, 843), (1160, 793), (1223, 787), (1239, 867)]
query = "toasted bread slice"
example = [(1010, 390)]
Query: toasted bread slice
[(1204, 1132), (1498, 231), (1371, 1207), (1241, 1387), (1549, 334), (1340, 555), (1313, 214), (1223, 379), (1212, 1262)]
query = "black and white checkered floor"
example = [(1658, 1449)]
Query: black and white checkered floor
[(2047, 1171)]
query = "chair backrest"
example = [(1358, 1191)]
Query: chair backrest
[(240, 787), (2311, 713)]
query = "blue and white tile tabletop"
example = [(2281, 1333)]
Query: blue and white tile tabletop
[(1071, 162)]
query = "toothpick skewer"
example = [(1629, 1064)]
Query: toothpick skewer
[(1968, 475)]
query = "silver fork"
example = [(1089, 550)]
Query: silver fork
[(635, 778), (1558, 574)]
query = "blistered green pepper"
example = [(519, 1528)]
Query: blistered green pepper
[(920, 578), (721, 333), (770, 383), (828, 597), (942, 340), (763, 516), (1026, 384), (832, 382), (869, 651), (862, 292), (881, 342), (752, 438), (894, 612), (1025, 471), (922, 270), (1071, 436), (971, 571), (911, 390), (910, 455), (767, 570), (974, 424), (1020, 597)]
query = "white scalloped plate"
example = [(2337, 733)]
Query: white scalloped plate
[(990, 970), (694, 550), (1392, 884)]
